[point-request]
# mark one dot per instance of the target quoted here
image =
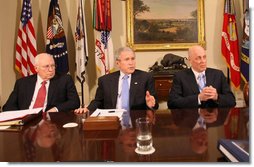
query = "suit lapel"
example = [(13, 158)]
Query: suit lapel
[(52, 87), (30, 89), (133, 87), (114, 87), (208, 78), (193, 83)]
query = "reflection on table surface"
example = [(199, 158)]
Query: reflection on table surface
[(184, 135)]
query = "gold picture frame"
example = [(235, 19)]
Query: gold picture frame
[(146, 31)]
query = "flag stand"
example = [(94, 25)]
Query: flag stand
[(81, 50)]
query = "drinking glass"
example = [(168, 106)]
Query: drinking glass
[(144, 135)]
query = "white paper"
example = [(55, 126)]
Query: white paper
[(108, 112), (4, 127), (10, 115)]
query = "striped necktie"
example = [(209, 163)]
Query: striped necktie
[(201, 81)]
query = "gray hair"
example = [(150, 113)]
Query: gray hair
[(123, 49), (38, 57)]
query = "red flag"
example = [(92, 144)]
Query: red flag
[(104, 57), (102, 15), (229, 43), (26, 42)]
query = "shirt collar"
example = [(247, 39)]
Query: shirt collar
[(122, 75), (197, 73), (40, 80)]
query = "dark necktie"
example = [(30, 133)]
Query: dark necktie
[(40, 99), (201, 81)]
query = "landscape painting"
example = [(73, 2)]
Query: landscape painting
[(164, 24)]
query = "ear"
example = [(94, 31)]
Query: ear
[(36, 68), (117, 62)]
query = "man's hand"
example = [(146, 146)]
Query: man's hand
[(53, 110), (207, 93), (81, 110), (150, 100), (210, 115)]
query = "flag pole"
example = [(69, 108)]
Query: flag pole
[(228, 77)]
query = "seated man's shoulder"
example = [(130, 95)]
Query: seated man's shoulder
[(214, 70), (141, 72), (25, 79), (62, 77), (183, 72), (109, 76)]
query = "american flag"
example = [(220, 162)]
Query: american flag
[(26, 42)]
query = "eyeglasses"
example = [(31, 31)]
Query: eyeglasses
[(47, 67)]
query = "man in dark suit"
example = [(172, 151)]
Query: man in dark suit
[(187, 92), (142, 94), (61, 93)]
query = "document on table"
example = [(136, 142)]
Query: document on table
[(12, 115), (108, 112)]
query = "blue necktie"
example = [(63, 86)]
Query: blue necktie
[(201, 81), (201, 122), (125, 93), (125, 100)]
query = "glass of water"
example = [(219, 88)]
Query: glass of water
[(144, 135)]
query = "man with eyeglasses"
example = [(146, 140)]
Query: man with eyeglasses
[(53, 92)]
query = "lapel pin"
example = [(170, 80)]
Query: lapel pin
[(135, 83)]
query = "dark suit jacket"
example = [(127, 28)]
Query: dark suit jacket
[(62, 94), (107, 91), (184, 91)]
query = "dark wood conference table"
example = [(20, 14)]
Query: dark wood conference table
[(176, 138)]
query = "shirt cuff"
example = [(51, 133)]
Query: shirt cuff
[(56, 109)]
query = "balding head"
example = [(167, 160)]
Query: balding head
[(45, 66), (40, 57), (197, 58)]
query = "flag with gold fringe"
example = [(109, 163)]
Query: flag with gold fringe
[(55, 38), (229, 43)]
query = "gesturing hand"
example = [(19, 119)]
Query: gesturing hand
[(150, 100)]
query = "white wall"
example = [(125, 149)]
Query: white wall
[(10, 14)]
